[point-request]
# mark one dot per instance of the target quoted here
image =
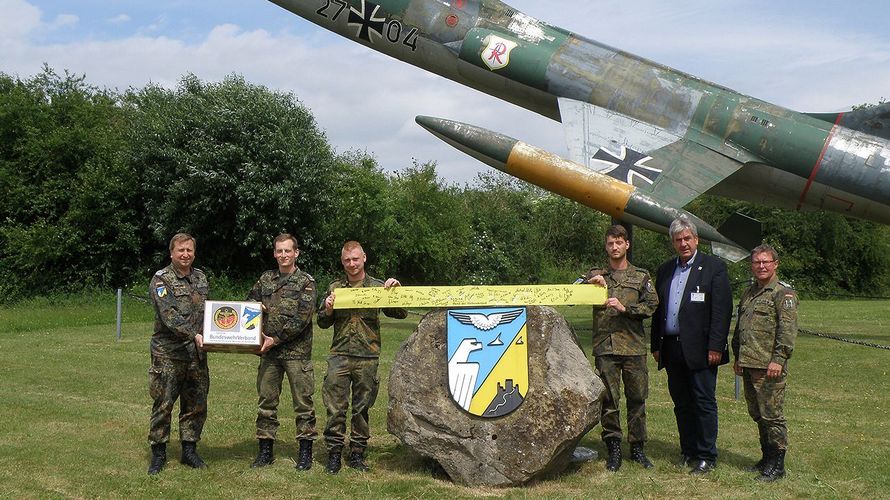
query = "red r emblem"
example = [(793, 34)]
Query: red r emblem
[(496, 52)]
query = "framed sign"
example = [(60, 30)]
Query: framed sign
[(231, 326)]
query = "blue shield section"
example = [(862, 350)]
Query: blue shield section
[(250, 318)]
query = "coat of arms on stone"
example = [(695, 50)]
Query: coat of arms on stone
[(488, 359)]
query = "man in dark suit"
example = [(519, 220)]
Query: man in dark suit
[(689, 339)]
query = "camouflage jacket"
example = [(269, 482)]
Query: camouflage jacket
[(356, 331), (766, 326), (179, 312), (621, 333), (290, 303)]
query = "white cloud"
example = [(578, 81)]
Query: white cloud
[(63, 20), (19, 19), (120, 19)]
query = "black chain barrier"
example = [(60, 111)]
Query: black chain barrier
[(842, 339), (140, 298)]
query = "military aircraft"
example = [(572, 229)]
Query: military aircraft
[(663, 136)]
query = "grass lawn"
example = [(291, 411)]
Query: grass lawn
[(75, 407)]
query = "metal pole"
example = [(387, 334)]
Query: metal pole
[(737, 379), (119, 319)]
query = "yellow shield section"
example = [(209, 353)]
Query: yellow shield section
[(512, 366)]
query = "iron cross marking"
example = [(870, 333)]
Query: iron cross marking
[(627, 165), (366, 20)]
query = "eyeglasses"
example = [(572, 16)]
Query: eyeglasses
[(758, 263)]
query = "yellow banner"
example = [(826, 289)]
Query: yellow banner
[(469, 296)]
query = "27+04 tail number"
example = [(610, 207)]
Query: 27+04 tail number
[(368, 23)]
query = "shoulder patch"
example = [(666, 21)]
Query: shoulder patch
[(789, 301), (161, 290)]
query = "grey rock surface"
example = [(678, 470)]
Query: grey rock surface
[(534, 441)]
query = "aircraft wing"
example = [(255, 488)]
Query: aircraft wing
[(655, 160)]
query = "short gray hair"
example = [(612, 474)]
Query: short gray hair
[(681, 224), (766, 249)]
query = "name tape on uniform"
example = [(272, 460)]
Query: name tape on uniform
[(469, 296)]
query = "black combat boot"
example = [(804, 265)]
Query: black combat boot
[(158, 458), (357, 461), (759, 466), (613, 461), (774, 468), (266, 455), (190, 456), (639, 456), (764, 451), (334, 462), (304, 459)]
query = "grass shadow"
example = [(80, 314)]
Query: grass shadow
[(665, 452), (402, 459)]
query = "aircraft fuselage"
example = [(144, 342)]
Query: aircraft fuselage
[(789, 159)]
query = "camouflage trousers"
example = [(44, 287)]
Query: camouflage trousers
[(633, 370), (169, 380), (359, 375), (301, 378), (766, 402)]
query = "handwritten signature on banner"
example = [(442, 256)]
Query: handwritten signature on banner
[(469, 296)]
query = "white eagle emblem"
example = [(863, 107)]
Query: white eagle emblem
[(486, 322)]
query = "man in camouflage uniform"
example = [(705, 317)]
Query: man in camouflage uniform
[(178, 365), (762, 344), (619, 347), (288, 298), (355, 350)]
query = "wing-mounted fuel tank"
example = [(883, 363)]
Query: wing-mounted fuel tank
[(600, 192)]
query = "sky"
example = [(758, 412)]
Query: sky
[(812, 55)]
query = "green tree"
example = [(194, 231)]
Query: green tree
[(361, 211), (67, 218), (501, 209), (821, 253), (234, 164), (427, 235)]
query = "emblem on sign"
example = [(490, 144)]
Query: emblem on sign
[(250, 318), (496, 54), (225, 318), (487, 359)]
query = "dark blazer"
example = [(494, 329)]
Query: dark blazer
[(704, 326)]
